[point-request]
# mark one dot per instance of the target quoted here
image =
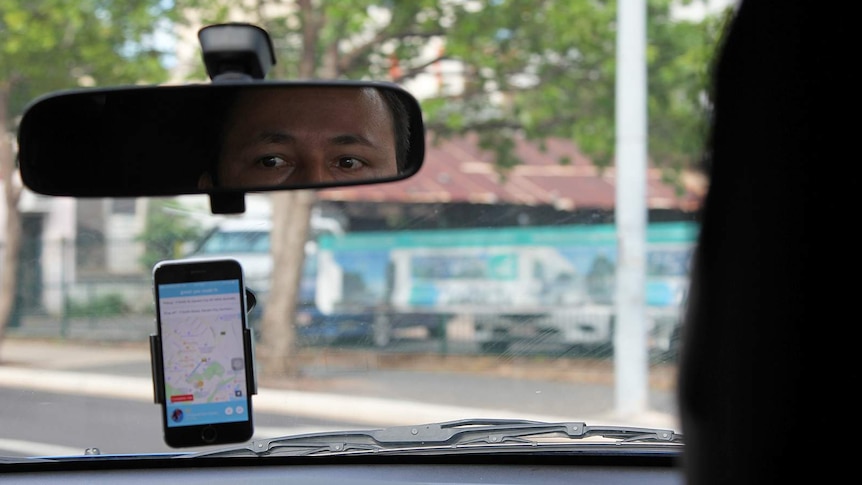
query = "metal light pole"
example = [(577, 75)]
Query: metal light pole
[(630, 340)]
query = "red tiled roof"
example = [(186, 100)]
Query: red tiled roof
[(457, 170)]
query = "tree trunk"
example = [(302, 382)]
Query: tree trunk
[(291, 215), (290, 224), (11, 194)]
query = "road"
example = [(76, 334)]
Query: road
[(42, 423), (62, 397)]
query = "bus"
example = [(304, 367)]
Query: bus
[(495, 286)]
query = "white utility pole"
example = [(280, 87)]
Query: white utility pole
[(630, 340)]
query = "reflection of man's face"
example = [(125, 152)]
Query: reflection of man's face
[(308, 135)]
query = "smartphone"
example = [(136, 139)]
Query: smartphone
[(203, 363)]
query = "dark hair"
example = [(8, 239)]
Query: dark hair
[(401, 125)]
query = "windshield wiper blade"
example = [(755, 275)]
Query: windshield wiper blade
[(465, 432), (17, 460)]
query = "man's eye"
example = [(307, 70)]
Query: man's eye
[(349, 163), (271, 161)]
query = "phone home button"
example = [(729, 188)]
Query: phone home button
[(209, 434)]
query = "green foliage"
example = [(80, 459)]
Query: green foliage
[(168, 227), (551, 63), (502, 145), (533, 68), (46, 45), (107, 305), (539, 68), (351, 39), (555, 62)]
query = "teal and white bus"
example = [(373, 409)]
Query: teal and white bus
[(493, 287)]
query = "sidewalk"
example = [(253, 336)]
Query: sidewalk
[(374, 394)]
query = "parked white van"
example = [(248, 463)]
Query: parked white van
[(248, 241)]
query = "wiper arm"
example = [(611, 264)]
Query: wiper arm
[(457, 433)]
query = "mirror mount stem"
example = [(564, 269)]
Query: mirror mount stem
[(231, 77), (229, 203), (235, 52)]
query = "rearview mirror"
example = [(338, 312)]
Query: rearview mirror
[(225, 137)]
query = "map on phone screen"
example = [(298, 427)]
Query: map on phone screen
[(202, 340)]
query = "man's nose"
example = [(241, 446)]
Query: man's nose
[(313, 169)]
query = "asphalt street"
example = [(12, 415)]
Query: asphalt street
[(58, 395)]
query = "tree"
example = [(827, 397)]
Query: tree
[(339, 39), (532, 68), (554, 66), (167, 227), (50, 45)]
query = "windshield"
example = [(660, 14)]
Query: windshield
[(535, 269)]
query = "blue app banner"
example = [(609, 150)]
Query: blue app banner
[(187, 414), (198, 288)]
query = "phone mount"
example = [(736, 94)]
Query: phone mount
[(235, 52), (248, 344)]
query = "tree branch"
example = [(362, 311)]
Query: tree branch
[(442, 129), (416, 70), (352, 58)]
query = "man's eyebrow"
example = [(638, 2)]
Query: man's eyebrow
[(275, 137), (351, 139)]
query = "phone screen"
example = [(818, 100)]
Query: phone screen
[(202, 330)]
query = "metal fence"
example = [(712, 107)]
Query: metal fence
[(87, 279), (84, 290)]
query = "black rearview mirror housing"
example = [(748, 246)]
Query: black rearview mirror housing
[(220, 138), (239, 134)]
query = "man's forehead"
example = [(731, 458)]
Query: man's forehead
[(326, 116), (324, 96)]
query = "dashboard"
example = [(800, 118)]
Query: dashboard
[(453, 469)]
